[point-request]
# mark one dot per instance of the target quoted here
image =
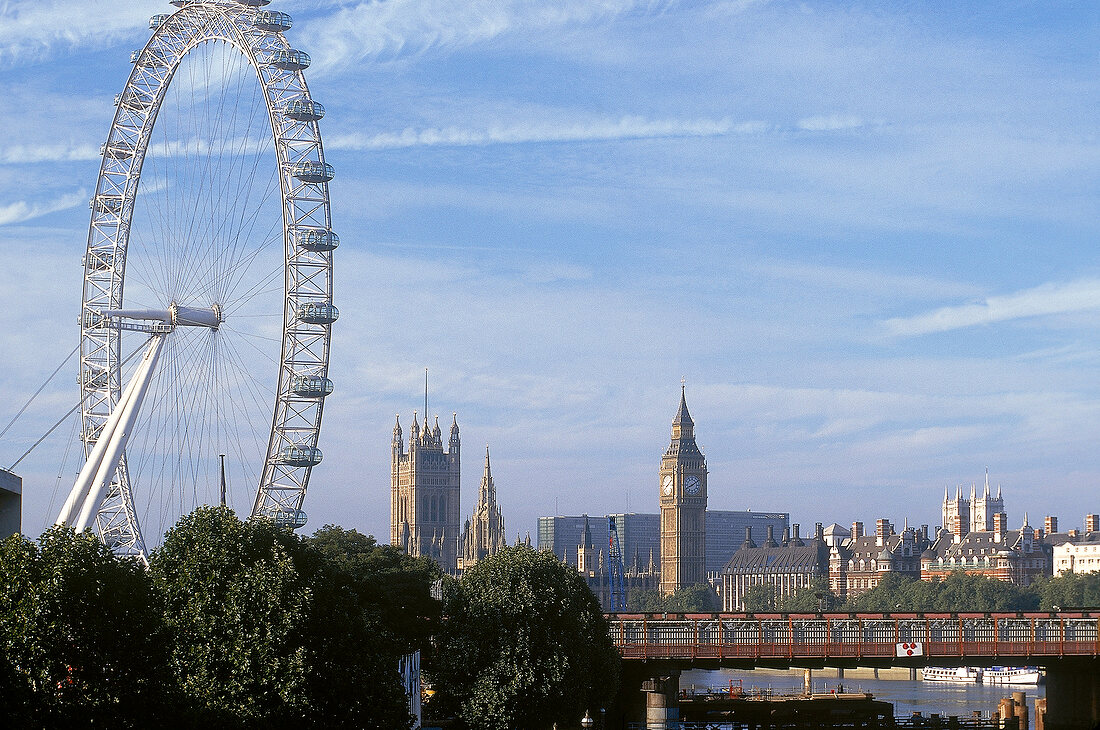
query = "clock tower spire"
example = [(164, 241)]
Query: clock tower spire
[(683, 500)]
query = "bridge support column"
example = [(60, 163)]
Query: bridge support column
[(1073, 694), (662, 709)]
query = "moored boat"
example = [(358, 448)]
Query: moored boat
[(965, 675), (1013, 675)]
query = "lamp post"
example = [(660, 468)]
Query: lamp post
[(587, 722)]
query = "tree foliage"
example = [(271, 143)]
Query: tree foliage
[(392, 589), (1071, 590), (524, 645), (81, 638), (959, 591), (267, 630), (699, 598)]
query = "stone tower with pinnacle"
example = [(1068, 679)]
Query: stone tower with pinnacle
[(484, 533), (682, 493), (424, 493)]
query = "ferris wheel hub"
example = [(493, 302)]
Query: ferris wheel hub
[(176, 315)]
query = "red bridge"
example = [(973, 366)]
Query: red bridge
[(847, 638), (656, 647)]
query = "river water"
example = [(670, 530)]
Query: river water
[(908, 696)]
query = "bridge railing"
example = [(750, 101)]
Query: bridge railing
[(855, 636)]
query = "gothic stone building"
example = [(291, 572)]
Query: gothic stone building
[(424, 493), (484, 531), (682, 494)]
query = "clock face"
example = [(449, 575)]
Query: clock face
[(666, 485), (692, 485)]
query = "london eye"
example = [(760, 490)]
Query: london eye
[(207, 302)]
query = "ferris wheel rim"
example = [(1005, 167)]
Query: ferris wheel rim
[(307, 237)]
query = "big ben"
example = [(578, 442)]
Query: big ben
[(683, 497)]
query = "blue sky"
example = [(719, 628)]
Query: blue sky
[(865, 233)]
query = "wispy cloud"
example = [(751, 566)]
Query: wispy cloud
[(372, 29), (21, 210), (30, 28), (831, 123), (1051, 298), (628, 127), (23, 154)]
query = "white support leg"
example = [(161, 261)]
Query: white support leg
[(79, 492), (98, 472)]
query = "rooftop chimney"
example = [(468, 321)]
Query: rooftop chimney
[(857, 530), (1050, 524), (1092, 523), (770, 542), (1000, 525), (882, 531), (819, 532)]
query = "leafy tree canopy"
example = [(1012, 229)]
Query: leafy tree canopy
[(81, 638), (267, 630), (699, 598), (524, 645)]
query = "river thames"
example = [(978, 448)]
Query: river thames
[(908, 696)]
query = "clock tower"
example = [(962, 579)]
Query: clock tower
[(683, 497)]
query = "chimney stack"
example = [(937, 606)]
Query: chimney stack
[(882, 531), (1092, 523), (1000, 525), (857, 530), (1050, 524)]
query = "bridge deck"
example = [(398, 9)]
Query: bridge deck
[(909, 638)]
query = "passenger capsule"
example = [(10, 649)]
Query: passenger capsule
[(273, 21), (318, 313), (289, 60), (158, 20), (292, 518), (107, 204), (299, 456), (311, 171), (254, 3), (182, 3), (93, 378), (92, 320), (310, 386), (316, 239), (99, 261), (304, 110), (134, 100), (118, 150), (148, 59)]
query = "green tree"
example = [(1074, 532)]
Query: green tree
[(81, 638), (815, 597), (392, 588), (699, 598), (266, 631), (1070, 590), (524, 645), (761, 598), (959, 591)]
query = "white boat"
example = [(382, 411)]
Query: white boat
[(1013, 675), (965, 675)]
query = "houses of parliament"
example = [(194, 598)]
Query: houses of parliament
[(425, 504)]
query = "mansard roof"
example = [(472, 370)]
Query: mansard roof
[(811, 558)]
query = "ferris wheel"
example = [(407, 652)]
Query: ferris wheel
[(207, 302)]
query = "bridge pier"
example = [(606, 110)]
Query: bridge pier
[(1073, 695), (662, 708)]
